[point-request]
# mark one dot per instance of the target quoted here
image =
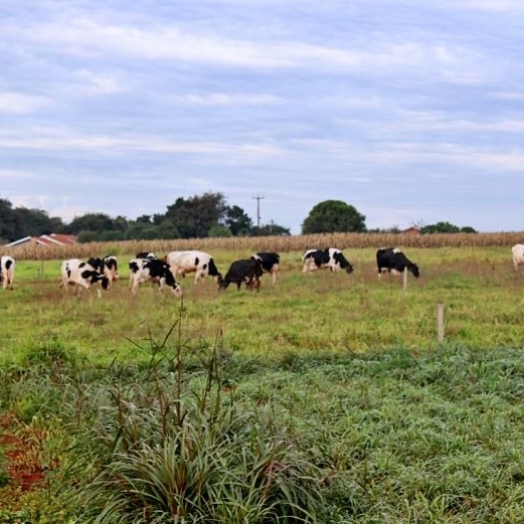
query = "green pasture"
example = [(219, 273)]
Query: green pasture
[(324, 399), (303, 313)]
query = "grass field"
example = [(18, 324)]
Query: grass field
[(302, 313), (401, 428)]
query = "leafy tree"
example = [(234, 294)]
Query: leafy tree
[(237, 220), (107, 236), (88, 236), (148, 233), (331, 216), (195, 216), (445, 227), (271, 229), (220, 232), (7, 221), (97, 222), (34, 222)]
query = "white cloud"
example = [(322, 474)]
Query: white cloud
[(6, 174), (225, 99), (20, 103)]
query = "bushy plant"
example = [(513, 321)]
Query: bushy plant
[(161, 452)]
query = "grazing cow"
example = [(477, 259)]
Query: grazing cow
[(331, 258), (392, 260), (76, 273), (198, 262), (152, 270), (7, 271), (269, 262), (518, 255), (107, 265), (248, 271), (146, 254)]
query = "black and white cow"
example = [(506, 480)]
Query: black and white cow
[(518, 255), (198, 262), (79, 274), (146, 254), (393, 261), (7, 271), (247, 271), (152, 270), (329, 258), (107, 265), (269, 261)]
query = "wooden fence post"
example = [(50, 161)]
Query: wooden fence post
[(405, 279), (440, 322)]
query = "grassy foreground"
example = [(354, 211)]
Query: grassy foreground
[(340, 377), (392, 436)]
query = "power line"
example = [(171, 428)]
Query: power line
[(258, 198)]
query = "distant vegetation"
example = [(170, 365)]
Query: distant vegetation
[(204, 216)]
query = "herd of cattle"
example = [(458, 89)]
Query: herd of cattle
[(146, 267)]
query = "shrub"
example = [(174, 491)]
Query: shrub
[(164, 453)]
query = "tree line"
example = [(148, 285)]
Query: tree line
[(200, 216)]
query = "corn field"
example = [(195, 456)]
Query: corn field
[(280, 244)]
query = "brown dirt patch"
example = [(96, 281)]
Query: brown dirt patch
[(22, 450)]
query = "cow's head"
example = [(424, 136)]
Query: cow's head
[(169, 279), (222, 284), (349, 268), (343, 262), (414, 269)]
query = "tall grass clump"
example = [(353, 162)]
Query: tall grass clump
[(161, 450)]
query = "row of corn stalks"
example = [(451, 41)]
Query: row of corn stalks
[(280, 244)]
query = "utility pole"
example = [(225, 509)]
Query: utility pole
[(258, 198)]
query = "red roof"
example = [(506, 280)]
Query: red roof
[(55, 239)]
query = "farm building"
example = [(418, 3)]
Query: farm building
[(413, 230), (53, 239)]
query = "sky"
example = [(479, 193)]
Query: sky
[(412, 111)]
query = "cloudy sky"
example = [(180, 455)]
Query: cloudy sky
[(412, 111)]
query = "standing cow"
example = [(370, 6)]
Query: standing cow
[(392, 260), (7, 271), (107, 266), (330, 258), (198, 262), (270, 263), (518, 255), (152, 270), (79, 274), (146, 254), (247, 271)]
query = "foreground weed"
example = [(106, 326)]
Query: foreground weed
[(169, 453)]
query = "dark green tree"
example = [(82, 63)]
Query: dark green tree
[(85, 237), (333, 216), (195, 216), (445, 227), (271, 229), (35, 222), (238, 222), (7, 221), (95, 222)]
